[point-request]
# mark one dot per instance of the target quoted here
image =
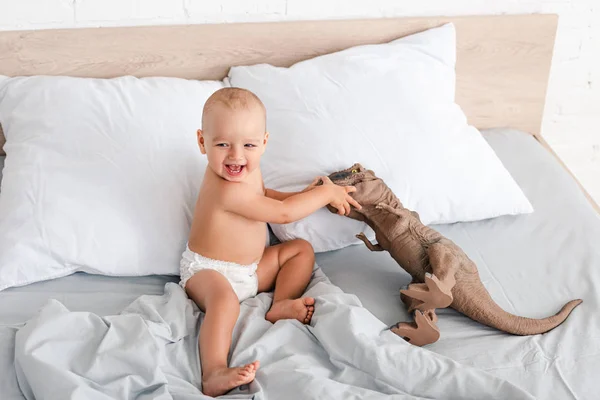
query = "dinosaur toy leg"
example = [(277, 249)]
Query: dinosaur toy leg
[(421, 332), (436, 292), (444, 264)]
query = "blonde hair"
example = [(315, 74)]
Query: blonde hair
[(235, 99)]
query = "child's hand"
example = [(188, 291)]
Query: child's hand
[(340, 196)]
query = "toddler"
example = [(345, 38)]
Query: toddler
[(226, 261)]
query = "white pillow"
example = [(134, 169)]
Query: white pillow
[(101, 175), (390, 107)]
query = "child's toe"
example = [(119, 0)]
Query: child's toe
[(252, 367), (309, 301)]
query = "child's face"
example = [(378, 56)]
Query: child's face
[(234, 141)]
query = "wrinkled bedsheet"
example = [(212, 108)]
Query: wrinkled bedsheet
[(149, 351)]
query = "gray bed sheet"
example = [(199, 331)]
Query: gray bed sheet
[(102, 295), (1, 167), (531, 265)]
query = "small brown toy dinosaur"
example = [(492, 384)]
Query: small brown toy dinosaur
[(442, 274)]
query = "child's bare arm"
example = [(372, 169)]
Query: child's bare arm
[(274, 194), (280, 196), (261, 208)]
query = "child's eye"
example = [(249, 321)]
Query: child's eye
[(221, 144), (250, 145)]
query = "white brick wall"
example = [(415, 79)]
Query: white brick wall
[(95, 12), (26, 14), (572, 115)]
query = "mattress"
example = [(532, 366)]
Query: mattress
[(531, 265)]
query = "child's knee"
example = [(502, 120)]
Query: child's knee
[(304, 248), (302, 245)]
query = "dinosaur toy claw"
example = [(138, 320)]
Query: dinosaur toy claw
[(421, 332), (383, 206), (429, 295), (367, 242)]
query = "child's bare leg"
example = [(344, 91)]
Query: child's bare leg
[(213, 294), (287, 266)]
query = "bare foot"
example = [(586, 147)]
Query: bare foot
[(301, 309), (222, 380)]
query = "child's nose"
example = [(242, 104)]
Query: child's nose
[(235, 154)]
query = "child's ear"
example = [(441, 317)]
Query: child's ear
[(201, 141), (265, 140)]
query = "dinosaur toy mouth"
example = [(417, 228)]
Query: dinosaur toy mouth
[(338, 176), (349, 176)]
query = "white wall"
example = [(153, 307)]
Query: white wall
[(572, 116)]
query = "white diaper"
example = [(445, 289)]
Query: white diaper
[(242, 278)]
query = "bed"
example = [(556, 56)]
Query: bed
[(531, 264)]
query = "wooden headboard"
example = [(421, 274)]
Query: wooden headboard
[(503, 61), (502, 68)]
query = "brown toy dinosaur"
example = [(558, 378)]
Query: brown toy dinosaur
[(442, 274)]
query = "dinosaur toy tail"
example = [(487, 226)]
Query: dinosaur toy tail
[(483, 309)]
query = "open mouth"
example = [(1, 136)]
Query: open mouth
[(234, 169)]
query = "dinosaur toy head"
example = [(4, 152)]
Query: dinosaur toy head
[(352, 176), (370, 190)]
